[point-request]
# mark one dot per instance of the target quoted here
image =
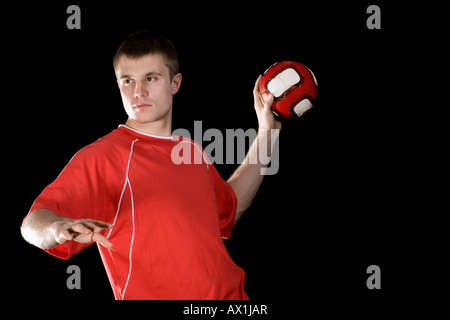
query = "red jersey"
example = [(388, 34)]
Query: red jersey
[(168, 219)]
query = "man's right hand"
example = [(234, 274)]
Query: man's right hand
[(45, 229), (80, 230)]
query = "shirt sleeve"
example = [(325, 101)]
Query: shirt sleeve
[(78, 192), (226, 202)]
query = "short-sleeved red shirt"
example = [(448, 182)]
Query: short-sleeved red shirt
[(169, 219)]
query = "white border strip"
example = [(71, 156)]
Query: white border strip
[(145, 134)]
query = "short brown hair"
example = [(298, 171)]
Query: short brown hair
[(142, 43)]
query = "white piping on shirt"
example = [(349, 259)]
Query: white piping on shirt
[(127, 182), (132, 239), (145, 134)]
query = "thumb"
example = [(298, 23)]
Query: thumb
[(268, 101)]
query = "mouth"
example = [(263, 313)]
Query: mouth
[(142, 106)]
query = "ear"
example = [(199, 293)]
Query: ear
[(176, 83)]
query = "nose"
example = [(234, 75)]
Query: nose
[(140, 90)]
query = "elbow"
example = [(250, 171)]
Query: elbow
[(26, 231), (33, 235)]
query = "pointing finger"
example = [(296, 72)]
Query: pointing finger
[(102, 224), (98, 224), (97, 237)]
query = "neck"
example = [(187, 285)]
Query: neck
[(157, 128)]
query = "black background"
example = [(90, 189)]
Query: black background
[(361, 180)]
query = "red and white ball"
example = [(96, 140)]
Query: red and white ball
[(293, 86)]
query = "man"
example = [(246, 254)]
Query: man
[(158, 225)]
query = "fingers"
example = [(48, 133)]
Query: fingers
[(98, 237), (82, 228), (64, 236), (95, 225), (102, 224), (268, 100), (263, 107), (263, 100), (67, 234), (84, 231), (256, 87), (256, 93)]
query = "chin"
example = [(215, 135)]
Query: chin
[(149, 117)]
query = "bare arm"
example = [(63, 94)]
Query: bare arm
[(248, 177), (46, 229)]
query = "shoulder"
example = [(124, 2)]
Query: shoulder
[(106, 148)]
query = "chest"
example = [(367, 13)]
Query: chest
[(160, 193)]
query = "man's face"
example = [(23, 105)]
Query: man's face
[(146, 88)]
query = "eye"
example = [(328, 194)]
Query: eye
[(151, 79), (127, 82)]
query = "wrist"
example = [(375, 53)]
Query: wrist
[(269, 132)]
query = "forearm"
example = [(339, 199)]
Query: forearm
[(36, 229), (248, 177)]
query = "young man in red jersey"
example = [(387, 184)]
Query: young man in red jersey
[(158, 225)]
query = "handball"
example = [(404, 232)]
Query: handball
[(293, 86)]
